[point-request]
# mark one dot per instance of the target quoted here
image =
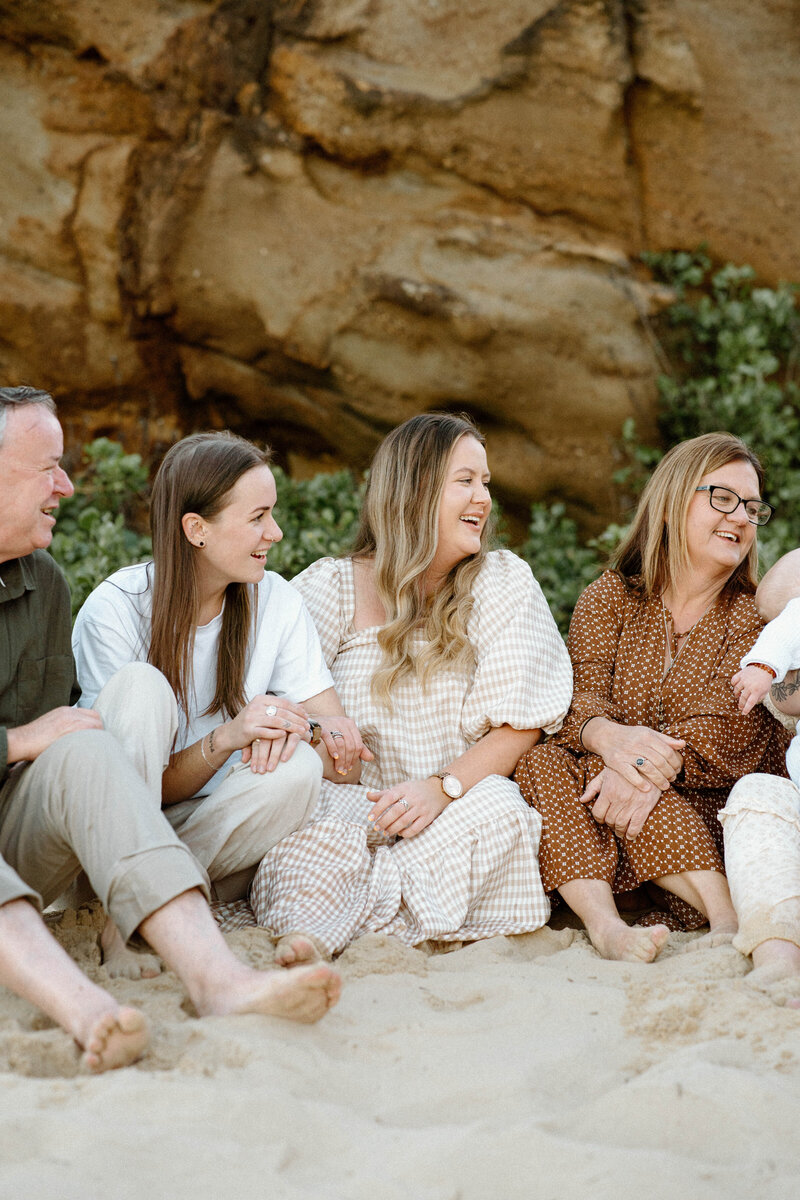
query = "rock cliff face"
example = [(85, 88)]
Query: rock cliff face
[(309, 219)]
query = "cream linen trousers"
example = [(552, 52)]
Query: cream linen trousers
[(762, 859), (93, 800)]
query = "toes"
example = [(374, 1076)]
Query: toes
[(294, 948), (116, 1039)]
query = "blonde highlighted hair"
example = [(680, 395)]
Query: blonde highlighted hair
[(654, 551), (197, 475), (399, 532)]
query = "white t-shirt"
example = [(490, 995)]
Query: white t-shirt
[(285, 657)]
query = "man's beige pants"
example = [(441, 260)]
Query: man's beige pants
[(93, 800)]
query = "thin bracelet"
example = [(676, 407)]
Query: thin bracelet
[(210, 747), (764, 667)]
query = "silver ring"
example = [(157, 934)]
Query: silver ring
[(271, 710), (404, 804), (337, 733), (640, 761)]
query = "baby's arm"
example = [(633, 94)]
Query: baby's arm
[(751, 684)]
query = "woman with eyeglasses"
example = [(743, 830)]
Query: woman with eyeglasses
[(630, 788)]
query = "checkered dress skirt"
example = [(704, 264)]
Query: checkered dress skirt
[(473, 872)]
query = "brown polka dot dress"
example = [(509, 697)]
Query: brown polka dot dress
[(617, 643)]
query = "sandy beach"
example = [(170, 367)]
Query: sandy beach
[(523, 1067)]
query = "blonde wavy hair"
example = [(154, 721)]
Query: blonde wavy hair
[(655, 550), (399, 532)]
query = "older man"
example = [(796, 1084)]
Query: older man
[(70, 798)]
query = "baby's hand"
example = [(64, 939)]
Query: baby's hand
[(751, 685)]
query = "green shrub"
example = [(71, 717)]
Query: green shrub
[(734, 348), (318, 517), (562, 564), (94, 534)]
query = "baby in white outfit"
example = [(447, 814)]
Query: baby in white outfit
[(777, 649)]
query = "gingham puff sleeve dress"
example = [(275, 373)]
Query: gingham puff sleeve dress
[(617, 643), (474, 871)]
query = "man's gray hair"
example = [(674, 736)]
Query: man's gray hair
[(18, 397)]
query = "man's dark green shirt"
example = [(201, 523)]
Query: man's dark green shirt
[(37, 670)]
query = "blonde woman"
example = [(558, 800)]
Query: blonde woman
[(447, 658), (630, 788)]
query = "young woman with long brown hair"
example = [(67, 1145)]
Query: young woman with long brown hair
[(239, 653)]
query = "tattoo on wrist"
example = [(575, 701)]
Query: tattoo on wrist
[(790, 685), (210, 737)]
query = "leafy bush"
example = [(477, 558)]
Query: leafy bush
[(735, 351), (94, 535), (318, 517), (561, 563)]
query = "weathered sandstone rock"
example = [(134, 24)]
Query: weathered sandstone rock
[(308, 219)]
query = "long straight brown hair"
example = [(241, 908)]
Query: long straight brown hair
[(197, 475)]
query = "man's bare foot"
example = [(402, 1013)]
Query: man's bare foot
[(304, 994), (115, 1038), (298, 949), (628, 943), (120, 961)]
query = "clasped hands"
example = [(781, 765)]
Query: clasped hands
[(269, 728), (407, 808), (640, 764)]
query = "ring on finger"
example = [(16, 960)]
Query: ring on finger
[(337, 733), (404, 803), (640, 761), (256, 741), (271, 710)]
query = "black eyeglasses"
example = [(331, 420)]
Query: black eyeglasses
[(724, 500)]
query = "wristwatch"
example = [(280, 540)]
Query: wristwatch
[(316, 731), (451, 786)]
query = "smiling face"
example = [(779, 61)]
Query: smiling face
[(717, 542), (32, 481), (237, 539), (464, 505)]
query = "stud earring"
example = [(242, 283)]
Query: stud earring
[(201, 543)]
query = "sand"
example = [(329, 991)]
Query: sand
[(521, 1067)]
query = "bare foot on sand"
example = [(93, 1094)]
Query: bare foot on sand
[(115, 1038), (628, 943), (304, 994), (776, 971), (120, 961), (721, 934), (298, 949)]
